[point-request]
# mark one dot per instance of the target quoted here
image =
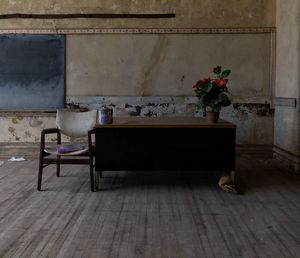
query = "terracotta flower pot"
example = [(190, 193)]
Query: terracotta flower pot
[(212, 117)]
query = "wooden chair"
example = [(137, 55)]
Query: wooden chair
[(74, 125)]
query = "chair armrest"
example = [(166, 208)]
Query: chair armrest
[(50, 130), (90, 143), (92, 131)]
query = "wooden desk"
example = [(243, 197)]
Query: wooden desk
[(181, 143)]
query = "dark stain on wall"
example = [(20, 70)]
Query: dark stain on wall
[(73, 105), (27, 134), (150, 113), (34, 122), (136, 110), (128, 106), (182, 81), (258, 109), (12, 130), (154, 64)]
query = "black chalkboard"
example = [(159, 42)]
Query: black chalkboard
[(32, 69)]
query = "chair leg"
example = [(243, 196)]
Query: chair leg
[(40, 175), (58, 157), (92, 177), (98, 175), (58, 168)]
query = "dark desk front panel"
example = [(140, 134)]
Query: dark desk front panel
[(165, 149)]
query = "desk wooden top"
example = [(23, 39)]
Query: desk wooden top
[(164, 122)]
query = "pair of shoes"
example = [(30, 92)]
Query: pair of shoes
[(229, 188), (227, 185)]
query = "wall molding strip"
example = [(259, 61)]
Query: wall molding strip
[(142, 31), (285, 102), (88, 16)]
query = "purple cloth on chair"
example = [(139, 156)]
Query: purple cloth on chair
[(65, 148)]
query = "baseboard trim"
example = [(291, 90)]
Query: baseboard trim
[(287, 159), (26, 150)]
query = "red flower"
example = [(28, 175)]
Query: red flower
[(195, 85), (206, 80), (220, 82)]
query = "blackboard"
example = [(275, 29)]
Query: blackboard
[(32, 69)]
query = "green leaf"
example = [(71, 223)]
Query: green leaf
[(209, 87), (216, 108), (225, 73), (201, 103), (200, 83), (217, 70), (224, 100)]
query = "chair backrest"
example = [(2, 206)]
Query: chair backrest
[(75, 124)]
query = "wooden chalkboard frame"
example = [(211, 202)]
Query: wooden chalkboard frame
[(66, 31), (48, 50)]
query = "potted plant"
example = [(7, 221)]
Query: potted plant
[(213, 93)]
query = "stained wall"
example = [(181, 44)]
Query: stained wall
[(191, 13), (170, 96), (287, 115)]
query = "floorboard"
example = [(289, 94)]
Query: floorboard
[(149, 214)]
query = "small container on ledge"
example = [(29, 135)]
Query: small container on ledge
[(105, 116)]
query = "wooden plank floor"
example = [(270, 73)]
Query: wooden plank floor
[(149, 214)]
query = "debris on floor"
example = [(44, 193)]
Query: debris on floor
[(1, 163), (16, 159)]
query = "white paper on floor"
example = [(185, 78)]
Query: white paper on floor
[(1, 163), (16, 159)]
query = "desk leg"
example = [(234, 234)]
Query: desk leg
[(232, 176), (98, 175)]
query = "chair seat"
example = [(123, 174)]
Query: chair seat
[(53, 151)]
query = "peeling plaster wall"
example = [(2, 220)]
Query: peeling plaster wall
[(251, 119), (24, 127), (287, 118), (254, 125)]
